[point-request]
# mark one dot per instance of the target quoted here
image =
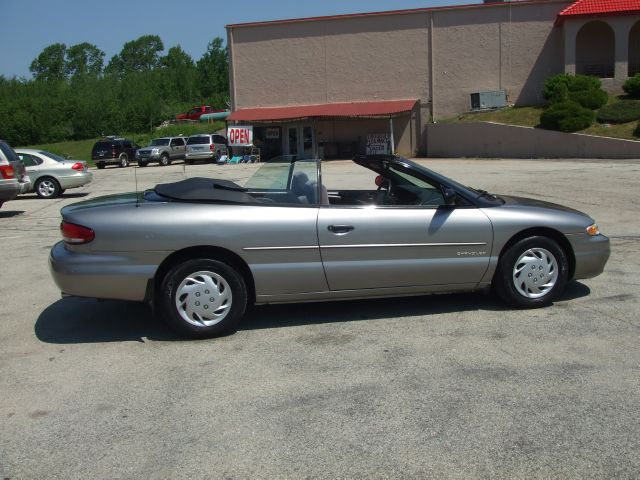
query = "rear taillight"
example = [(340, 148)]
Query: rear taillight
[(76, 234), (7, 171), (212, 147), (113, 152), (77, 166)]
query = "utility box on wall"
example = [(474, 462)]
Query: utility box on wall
[(488, 100)]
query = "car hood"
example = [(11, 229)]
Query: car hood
[(511, 201)]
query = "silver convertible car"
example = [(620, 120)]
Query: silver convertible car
[(201, 250)]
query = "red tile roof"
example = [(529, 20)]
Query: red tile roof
[(600, 7), (352, 109)]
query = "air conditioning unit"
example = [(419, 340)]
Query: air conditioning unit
[(488, 100)]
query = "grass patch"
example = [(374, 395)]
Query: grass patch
[(81, 149), (521, 116)]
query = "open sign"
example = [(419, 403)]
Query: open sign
[(240, 136)]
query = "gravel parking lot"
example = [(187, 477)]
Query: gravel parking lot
[(454, 386)]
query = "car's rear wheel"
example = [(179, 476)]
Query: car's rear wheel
[(164, 160), (47, 187), (123, 160), (203, 298), (532, 273)]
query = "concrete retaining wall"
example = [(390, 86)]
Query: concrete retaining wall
[(492, 140)]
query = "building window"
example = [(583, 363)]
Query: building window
[(595, 50)]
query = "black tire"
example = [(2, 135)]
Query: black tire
[(164, 160), (100, 165), (513, 287), (123, 160), (62, 190), (181, 276), (142, 163), (47, 187)]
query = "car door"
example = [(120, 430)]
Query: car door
[(368, 247), (32, 165), (178, 148)]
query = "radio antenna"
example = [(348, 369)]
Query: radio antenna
[(135, 176)]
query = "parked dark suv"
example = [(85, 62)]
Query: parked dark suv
[(115, 151)]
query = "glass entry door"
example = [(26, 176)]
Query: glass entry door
[(300, 141)]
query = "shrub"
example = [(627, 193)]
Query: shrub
[(620, 112), (636, 131), (632, 86), (557, 88), (592, 99), (567, 117)]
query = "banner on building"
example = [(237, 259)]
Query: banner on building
[(378, 144), (238, 136)]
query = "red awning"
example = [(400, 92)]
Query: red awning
[(583, 8), (352, 109)]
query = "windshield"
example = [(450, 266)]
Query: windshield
[(159, 142), (53, 156)]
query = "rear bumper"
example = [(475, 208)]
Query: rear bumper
[(74, 181), (115, 276), (200, 155), (9, 190), (591, 254)]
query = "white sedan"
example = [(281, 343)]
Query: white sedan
[(51, 174)]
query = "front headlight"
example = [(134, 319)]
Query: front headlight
[(593, 230), (155, 151)]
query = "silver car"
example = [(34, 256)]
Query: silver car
[(13, 176), (207, 147), (51, 174), (201, 250), (163, 151)]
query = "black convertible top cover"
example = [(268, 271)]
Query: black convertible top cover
[(199, 189)]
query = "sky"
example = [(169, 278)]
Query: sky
[(28, 26)]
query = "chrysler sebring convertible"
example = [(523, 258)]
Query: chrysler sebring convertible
[(201, 250)]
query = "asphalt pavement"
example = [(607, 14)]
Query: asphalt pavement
[(447, 386)]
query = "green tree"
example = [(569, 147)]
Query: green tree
[(84, 59), (142, 54), (213, 71), (50, 64), (179, 76)]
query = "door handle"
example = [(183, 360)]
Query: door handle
[(340, 228)]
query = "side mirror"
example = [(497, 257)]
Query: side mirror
[(449, 195)]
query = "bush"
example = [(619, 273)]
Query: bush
[(567, 117), (632, 86), (557, 88), (636, 131), (620, 112), (592, 99)]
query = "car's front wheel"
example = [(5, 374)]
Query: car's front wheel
[(203, 298), (532, 273)]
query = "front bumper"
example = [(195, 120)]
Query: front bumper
[(108, 275), (591, 254)]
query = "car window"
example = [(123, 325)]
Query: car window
[(27, 159), (38, 160), (102, 146), (8, 152), (219, 139), (53, 156), (285, 182), (159, 142), (199, 140)]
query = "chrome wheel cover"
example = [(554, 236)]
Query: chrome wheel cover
[(203, 299), (46, 188), (535, 273)]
